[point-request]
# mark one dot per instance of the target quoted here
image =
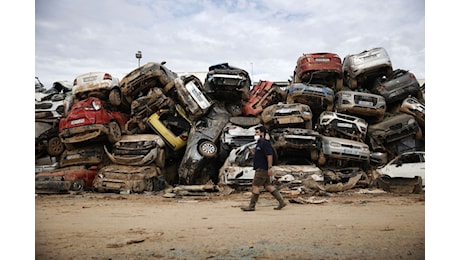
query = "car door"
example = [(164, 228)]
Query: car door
[(407, 166)]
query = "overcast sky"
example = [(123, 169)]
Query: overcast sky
[(264, 37)]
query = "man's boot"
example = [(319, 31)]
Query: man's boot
[(276, 193), (252, 204)]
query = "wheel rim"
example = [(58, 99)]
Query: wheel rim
[(115, 131), (208, 148), (55, 146)]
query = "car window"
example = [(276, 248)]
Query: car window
[(408, 158)]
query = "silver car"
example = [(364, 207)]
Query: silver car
[(364, 67), (343, 150), (371, 107), (342, 125)]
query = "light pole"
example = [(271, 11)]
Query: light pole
[(138, 57)]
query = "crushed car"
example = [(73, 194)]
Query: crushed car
[(415, 108), (340, 152), (262, 95), (129, 179), (47, 141), (97, 84), (91, 119), (368, 106), (398, 86), (361, 69), (284, 115), (200, 162), (403, 174), (88, 155), (139, 81), (55, 102), (238, 131), (318, 97), (66, 180), (342, 125), (300, 140), (320, 68)]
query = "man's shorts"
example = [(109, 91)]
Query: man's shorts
[(261, 178)]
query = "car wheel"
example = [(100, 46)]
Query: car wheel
[(148, 184), (55, 146), (208, 149), (115, 97), (78, 185), (114, 132)]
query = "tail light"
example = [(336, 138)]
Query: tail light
[(75, 82), (107, 76)]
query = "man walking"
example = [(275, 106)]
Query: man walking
[(263, 161)]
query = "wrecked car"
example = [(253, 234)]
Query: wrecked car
[(284, 115), (46, 164), (55, 102), (317, 96), (129, 179), (172, 125), (143, 107), (85, 155), (200, 162), (343, 152), (91, 119), (66, 179), (262, 95), (300, 140), (238, 131), (138, 149), (342, 125), (97, 84), (138, 82), (398, 86), (47, 141), (393, 128), (191, 96), (320, 68), (415, 108), (405, 173), (370, 107), (227, 83), (361, 69)]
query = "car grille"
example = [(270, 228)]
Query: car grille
[(43, 106)]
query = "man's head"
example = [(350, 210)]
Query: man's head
[(261, 131)]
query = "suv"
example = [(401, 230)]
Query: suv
[(262, 95), (342, 125), (190, 94), (283, 115), (360, 69), (397, 87), (227, 83), (97, 84), (91, 119), (334, 149), (370, 107), (321, 68), (318, 97), (139, 81)]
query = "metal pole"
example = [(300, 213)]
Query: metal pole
[(139, 56)]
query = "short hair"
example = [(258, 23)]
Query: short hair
[(262, 129)]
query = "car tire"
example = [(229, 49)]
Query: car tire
[(208, 149), (115, 97), (114, 132), (78, 185), (55, 146)]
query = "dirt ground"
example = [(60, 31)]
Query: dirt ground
[(356, 224)]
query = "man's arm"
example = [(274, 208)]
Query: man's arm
[(270, 160)]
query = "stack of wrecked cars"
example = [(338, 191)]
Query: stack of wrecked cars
[(331, 129)]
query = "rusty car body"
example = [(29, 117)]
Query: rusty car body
[(129, 179), (361, 69), (66, 179), (84, 155), (320, 68), (227, 83), (138, 149), (262, 95), (284, 115), (91, 119)]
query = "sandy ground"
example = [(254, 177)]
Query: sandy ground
[(357, 224)]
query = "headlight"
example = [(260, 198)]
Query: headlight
[(96, 105), (411, 121)]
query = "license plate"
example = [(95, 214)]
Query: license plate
[(349, 151), (88, 79), (365, 103), (77, 121), (72, 156), (347, 125), (197, 95), (322, 59)]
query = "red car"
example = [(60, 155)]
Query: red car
[(262, 95), (320, 68), (64, 180), (91, 119)]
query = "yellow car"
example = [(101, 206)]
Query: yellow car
[(172, 126)]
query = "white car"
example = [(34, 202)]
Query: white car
[(406, 165), (98, 84), (342, 125)]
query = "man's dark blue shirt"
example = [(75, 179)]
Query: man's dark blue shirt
[(263, 148)]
